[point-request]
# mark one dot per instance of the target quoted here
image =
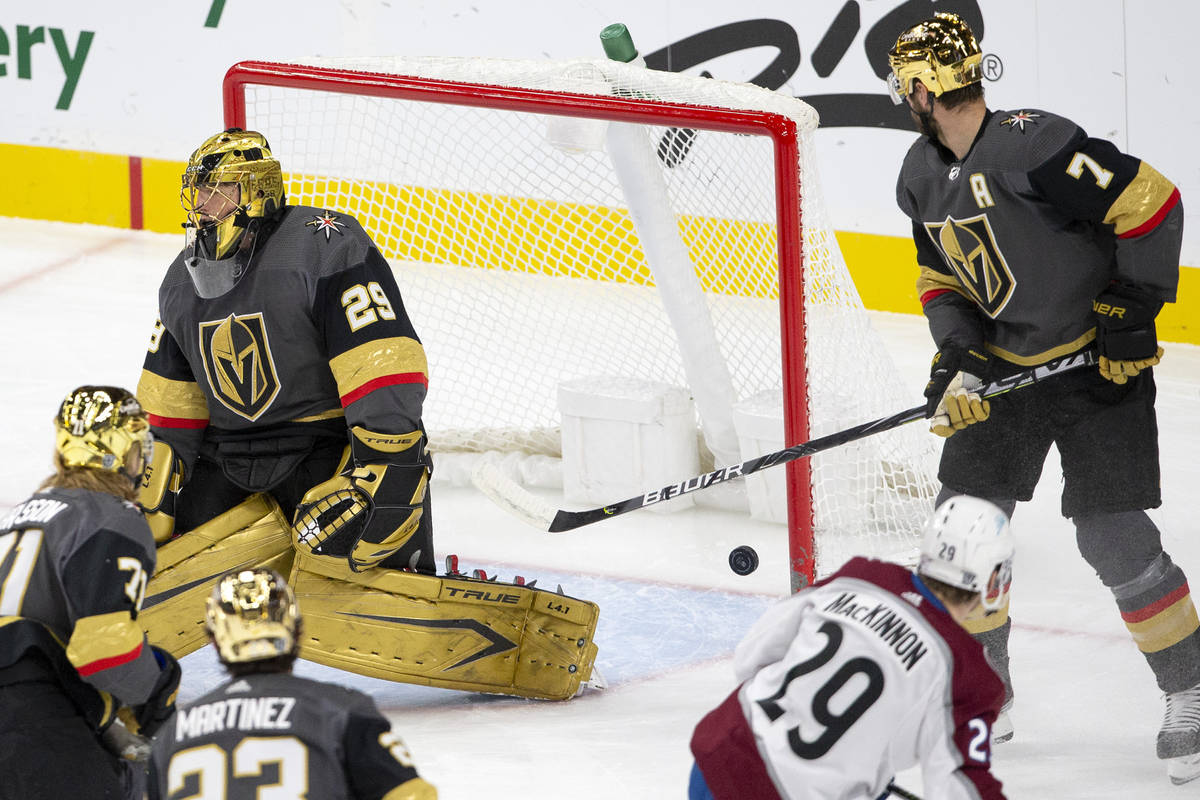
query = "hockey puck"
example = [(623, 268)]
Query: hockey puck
[(743, 560)]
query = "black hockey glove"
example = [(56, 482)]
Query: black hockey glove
[(148, 717), (1125, 334), (953, 399)]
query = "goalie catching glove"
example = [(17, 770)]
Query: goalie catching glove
[(953, 394), (371, 509), (1125, 333)]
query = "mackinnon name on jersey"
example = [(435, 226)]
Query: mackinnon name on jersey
[(236, 713), (885, 622)]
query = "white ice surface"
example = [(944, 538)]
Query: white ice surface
[(76, 306)]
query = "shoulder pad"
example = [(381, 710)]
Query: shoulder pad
[(1040, 133)]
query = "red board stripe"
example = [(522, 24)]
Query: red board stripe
[(135, 192)]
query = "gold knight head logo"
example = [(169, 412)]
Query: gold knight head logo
[(238, 363), (970, 249)]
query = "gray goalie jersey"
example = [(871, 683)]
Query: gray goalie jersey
[(282, 734), (314, 335), (1016, 239)]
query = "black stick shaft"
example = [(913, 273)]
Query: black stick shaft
[(569, 520), (903, 794)]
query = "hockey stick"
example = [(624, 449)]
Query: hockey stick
[(506, 493), (903, 794)]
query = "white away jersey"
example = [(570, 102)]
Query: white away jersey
[(848, 682)]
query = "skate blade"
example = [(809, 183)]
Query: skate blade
[(1183, 769), (596, 682), (1002, 730)]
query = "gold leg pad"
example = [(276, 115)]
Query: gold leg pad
[(252, 533), (454, 633)]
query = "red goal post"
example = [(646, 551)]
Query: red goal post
[(625, 98)]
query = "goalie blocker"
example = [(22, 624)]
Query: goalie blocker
[(448, 632)]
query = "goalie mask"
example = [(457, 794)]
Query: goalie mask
[(97, 426), (252, 616), (968, 543), (231, 185), (940, 52)]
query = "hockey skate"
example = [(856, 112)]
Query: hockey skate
[(1002, 729), (1179, 737)]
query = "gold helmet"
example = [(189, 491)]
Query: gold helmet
[(252, 616), (98, 425), (238, 166), (940, 52)]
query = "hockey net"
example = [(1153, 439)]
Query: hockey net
[(550, 221)]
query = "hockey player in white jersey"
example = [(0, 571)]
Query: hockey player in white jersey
[(866, 673)]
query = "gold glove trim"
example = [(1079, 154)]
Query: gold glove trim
[(415, 789), (386, 442)]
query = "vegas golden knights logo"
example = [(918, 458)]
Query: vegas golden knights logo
[(238, 363), (971, 251)]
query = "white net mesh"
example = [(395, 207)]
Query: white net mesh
[(522, 262)]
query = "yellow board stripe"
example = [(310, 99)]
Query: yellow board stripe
[(603, 244), (882, 266), (1169, 626), (36, 181)]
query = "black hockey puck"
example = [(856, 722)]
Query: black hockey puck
[(743, 560)]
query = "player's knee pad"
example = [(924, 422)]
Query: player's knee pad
[(1119, 546), (253, 533), (451, 632)]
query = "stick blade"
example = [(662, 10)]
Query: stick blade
[(497, 486), (569, 520)]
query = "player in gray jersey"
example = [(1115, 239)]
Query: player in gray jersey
[(1036, 241), (74, 562), (285, 384), (283, 358), (267, 728)]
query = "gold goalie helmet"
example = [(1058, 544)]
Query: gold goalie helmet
[(940, 52), (238, 166), (97, 426), (252, 615)]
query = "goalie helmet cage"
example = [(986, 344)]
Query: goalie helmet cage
[(556, 220)]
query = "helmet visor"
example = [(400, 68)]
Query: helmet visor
[(893, 87)]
